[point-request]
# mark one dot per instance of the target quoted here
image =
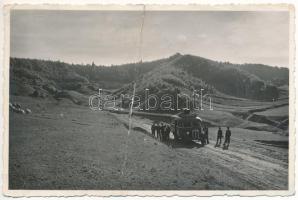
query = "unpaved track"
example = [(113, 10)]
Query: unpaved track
[(262, 172), (72, 147), (257, 165)]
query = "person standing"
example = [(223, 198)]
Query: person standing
[(219, 136), (227, 137), (153, 129), (167, 134), (206, 134), (157, 128), (162, 131)]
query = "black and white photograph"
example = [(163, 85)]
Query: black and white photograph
[(147, 99)]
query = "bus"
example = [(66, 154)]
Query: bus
[(187, 127)]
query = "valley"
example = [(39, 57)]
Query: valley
[(64, 144)]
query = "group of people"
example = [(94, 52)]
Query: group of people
[(161, 131), (220, 136)]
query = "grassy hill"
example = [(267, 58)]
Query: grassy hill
[(182, 73), (186, 73), (241, 96)]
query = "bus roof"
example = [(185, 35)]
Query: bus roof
[(182, 116)]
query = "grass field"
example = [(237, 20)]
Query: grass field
[(65, 146)]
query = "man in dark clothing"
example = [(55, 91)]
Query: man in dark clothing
[(206, 134), (219, 136), (157, 127), (162, 132), (227, 137), (153, 129)]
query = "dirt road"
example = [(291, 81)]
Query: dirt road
[(256, 159), (72, 147)]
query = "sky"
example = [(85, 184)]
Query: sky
[(114, 37)]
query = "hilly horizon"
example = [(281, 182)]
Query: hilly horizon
[(149, 60), (178, 72), (144, 99)]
